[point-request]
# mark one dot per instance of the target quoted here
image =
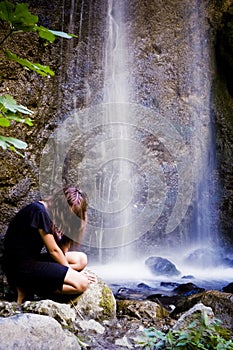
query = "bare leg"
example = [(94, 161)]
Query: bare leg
[(74, 282), (21, 294)]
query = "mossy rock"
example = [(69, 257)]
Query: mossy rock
[(97, 303)]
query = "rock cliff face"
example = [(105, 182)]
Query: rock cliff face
[(223, 114), (172, 71), (19, 176)]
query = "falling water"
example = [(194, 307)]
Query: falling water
[(81, 21), (204, 231), (110, 153), (116, 74), (115, 186), (205, 226)]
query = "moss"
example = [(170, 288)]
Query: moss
[(107, 302)]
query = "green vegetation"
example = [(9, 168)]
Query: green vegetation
[(18, 19), (11, 111), (202, 334)]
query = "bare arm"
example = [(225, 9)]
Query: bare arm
[(52, 248)]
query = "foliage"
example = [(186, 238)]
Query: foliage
[(37, 67), (12, 143), (200, 334), (10, 112), (19, 19)]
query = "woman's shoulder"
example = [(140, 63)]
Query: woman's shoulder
[(27, 212), (37, 204), (34, 206)]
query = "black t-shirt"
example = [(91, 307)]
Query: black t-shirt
[(22, 239)]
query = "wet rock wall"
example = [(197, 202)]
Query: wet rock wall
[(161, 73)]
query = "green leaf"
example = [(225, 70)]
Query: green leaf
[(8, 141), (205, 318), (23, 19), (62, 34), (18, 16), (3, 144), (182, 343), (12, 148), (50, 35), (12, 143), (153, 332), (170, 337), (37, 67), (45, 33), (9, 103), (27, 121), (4, 122), (6, 10)]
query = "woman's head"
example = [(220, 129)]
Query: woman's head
[(68, 210), (77, 201)]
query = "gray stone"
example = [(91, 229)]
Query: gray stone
[(124, 342), (193, 314), (92, 325), (221, 303), (203, 257), (29, 331), (63, 313), (146, 310), (8, 309), (97, 303), (222, 306), (161, 266)]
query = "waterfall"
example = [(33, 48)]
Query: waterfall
[(205, 228), (139, 139), (116, 74), (116, 186)]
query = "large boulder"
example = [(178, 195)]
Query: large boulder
[(228, 288), (63, 313), (221, 303), (161, 266), (203, 257), (97, 303), (146, 310), (194, 314), (30, 331), (187, 289)]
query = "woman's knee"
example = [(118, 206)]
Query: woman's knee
[(83, 260), (77, 259)]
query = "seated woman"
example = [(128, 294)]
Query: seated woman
[(57, 271)]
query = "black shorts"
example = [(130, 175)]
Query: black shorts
[(41, 275)]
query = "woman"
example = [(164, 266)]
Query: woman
[(58, 271)]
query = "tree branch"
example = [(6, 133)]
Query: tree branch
[(4, 39)]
